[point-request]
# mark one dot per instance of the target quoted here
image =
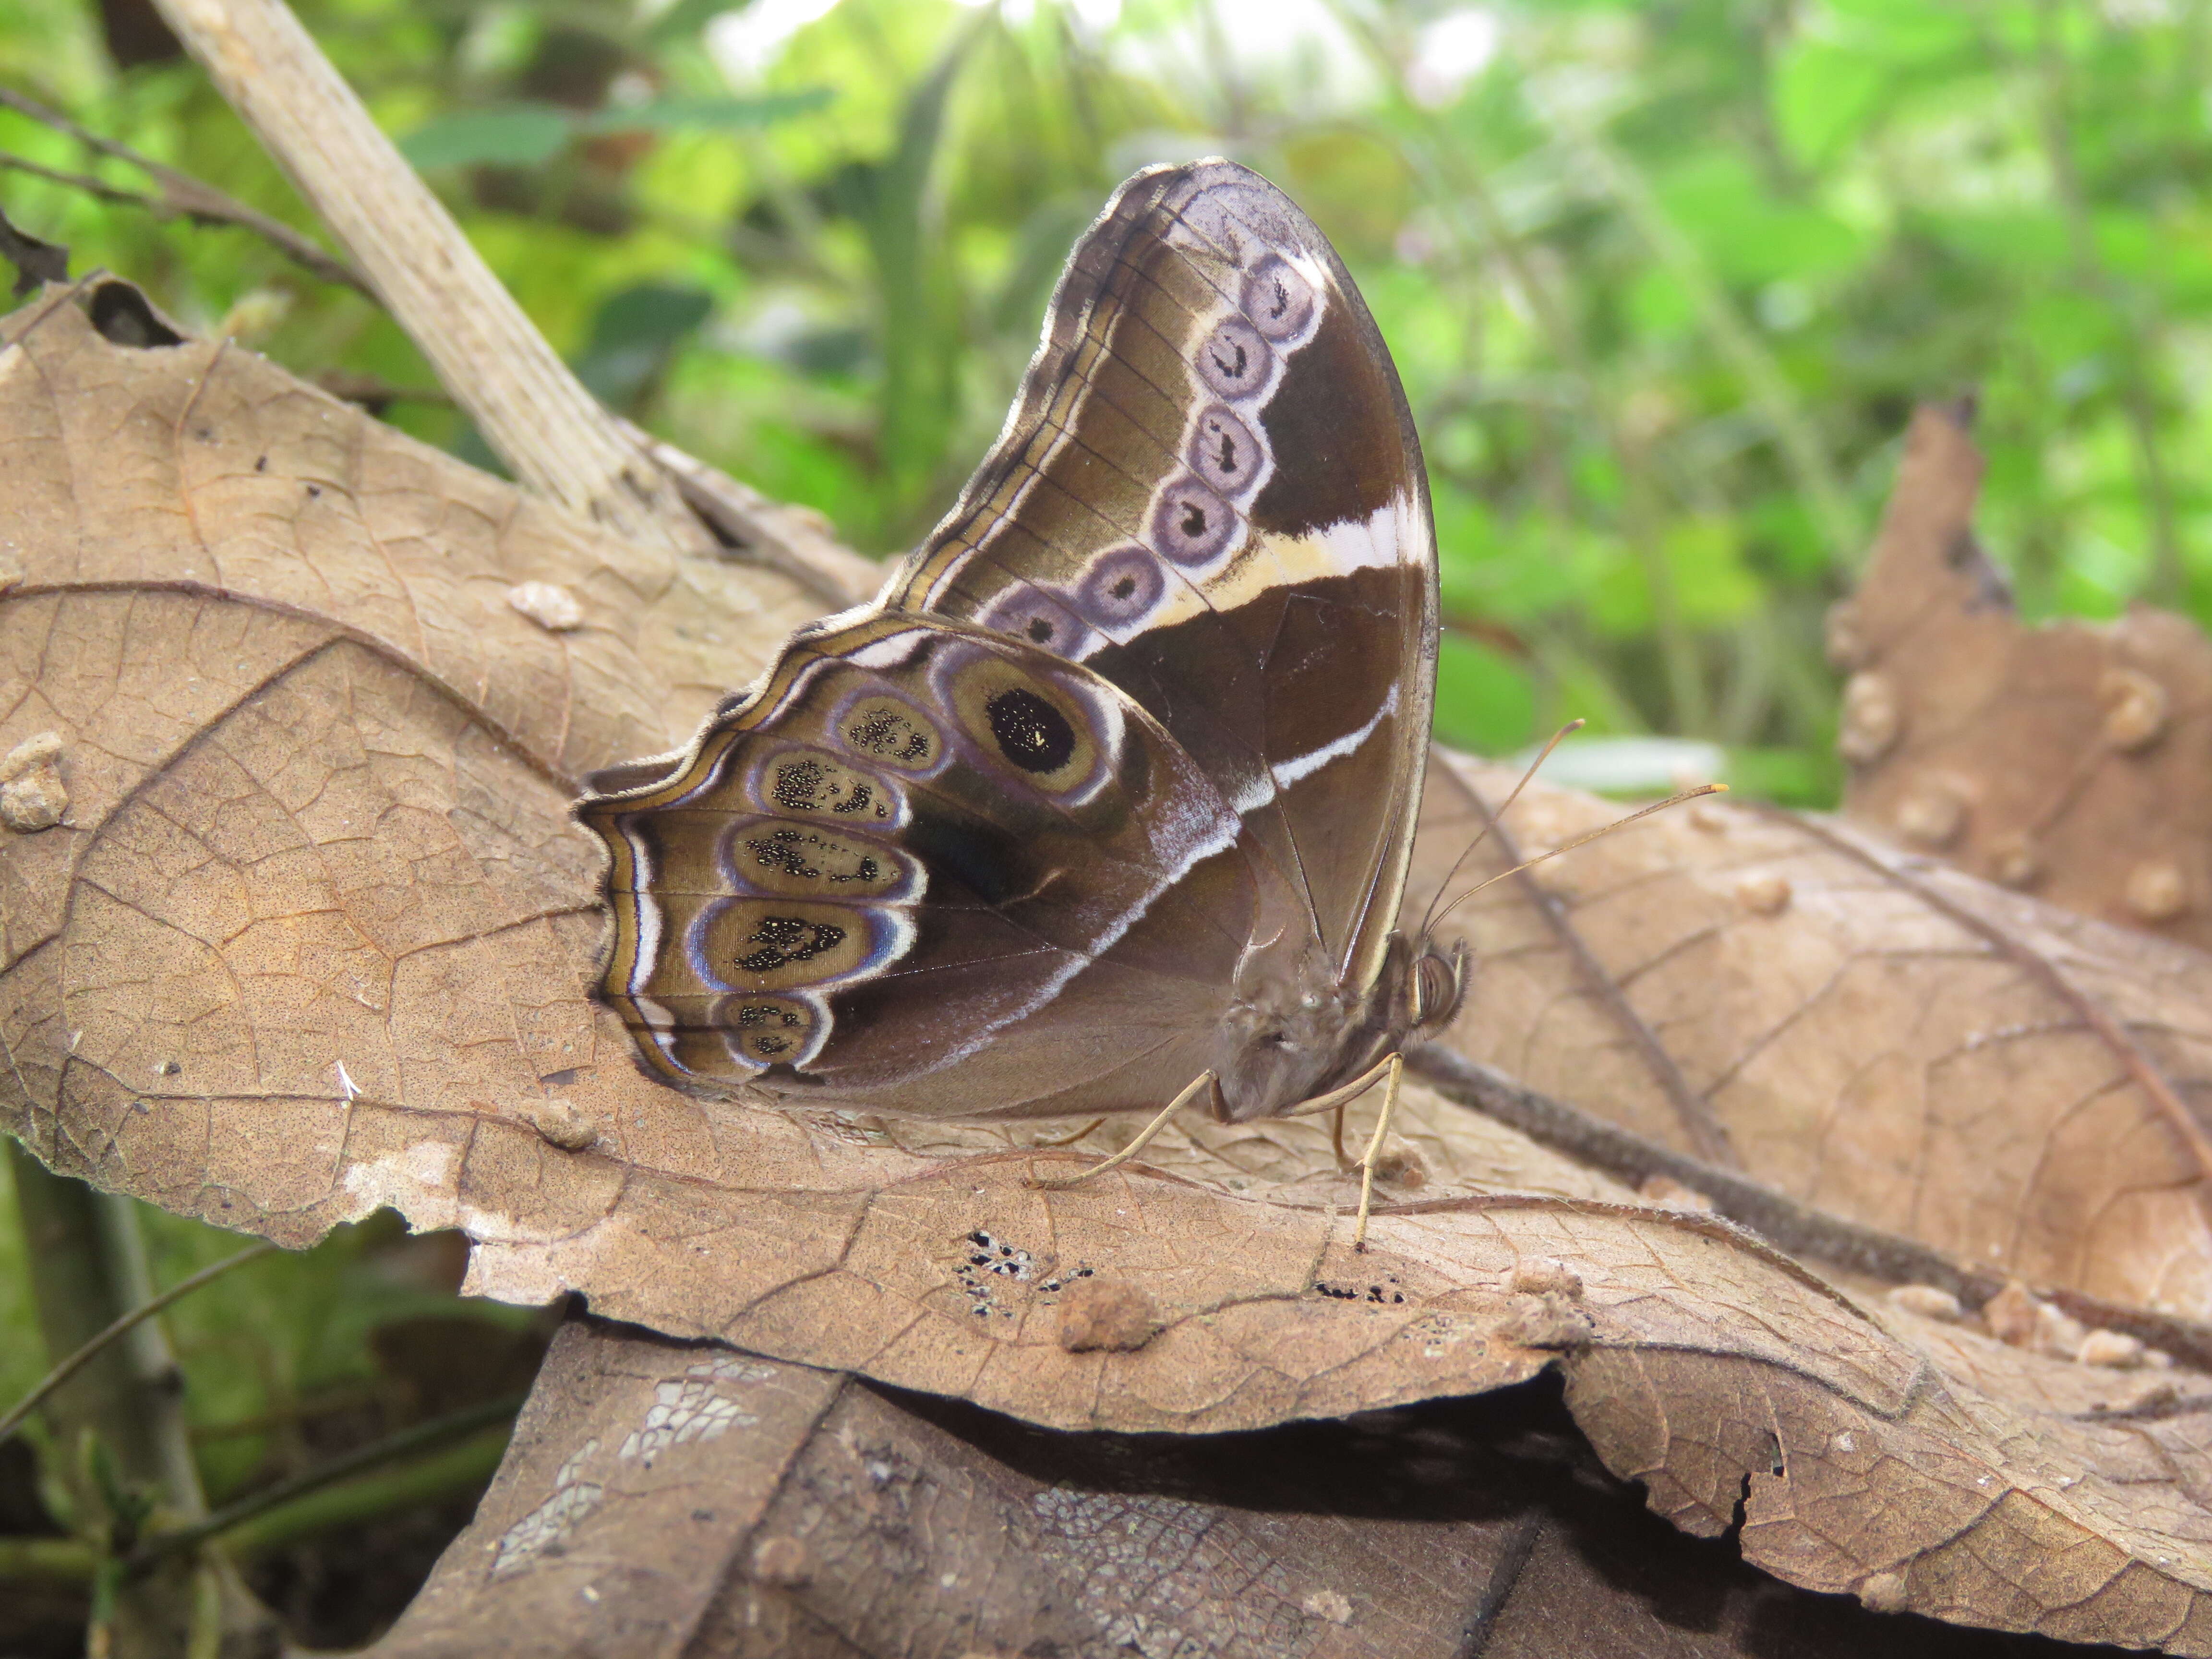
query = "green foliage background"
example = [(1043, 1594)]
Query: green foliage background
[(1664, 279)]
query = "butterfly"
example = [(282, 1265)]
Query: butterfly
[(1106, 802)]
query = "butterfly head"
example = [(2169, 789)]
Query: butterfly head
[(1290, 1042), (1438, 985)]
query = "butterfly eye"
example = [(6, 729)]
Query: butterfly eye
[(805, 860), (804, 781), (753, 945), (1035, 617)]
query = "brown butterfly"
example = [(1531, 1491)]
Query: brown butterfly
[(1106, 802)]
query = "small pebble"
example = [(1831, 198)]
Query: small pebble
[(1550, 1320), (2115, 1349), (1928, 1302), (1883, 1592), (2135, 708), (2020, 1320), (32, 796), (1847, 647), (1764, 893), (2012, 862), (1871, 720), (1931, 817), (2156, 890), (548, 604), (561, 1125)]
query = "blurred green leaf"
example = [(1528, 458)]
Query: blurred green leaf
[(637, 332), (522, 136), (1826, 96), (1483, 701), (720, 114)]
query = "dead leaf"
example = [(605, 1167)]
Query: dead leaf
[(1899, 1046), (2066, 760), (313, 934), (657, 1498)]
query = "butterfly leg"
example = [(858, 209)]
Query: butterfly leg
[(1386, 1071), (1067, 1140), (1199, 1084), (1396, 1065)]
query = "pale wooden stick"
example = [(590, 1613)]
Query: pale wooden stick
[(529, 408)]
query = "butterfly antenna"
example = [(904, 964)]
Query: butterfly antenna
[(1558, 737), (1584, 841)]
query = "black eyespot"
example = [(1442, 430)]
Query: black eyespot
[(1031, 733), (1040, 629), (1278, 298), (1234, 360), (1223, 452), (798, 785), (753, 1013), (1190, 524), (787, 940), (1121, 587)]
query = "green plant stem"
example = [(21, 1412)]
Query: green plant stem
[(118, 1425), (452, 1472), (456, 1471), (46, 1560), (182, 195), (145, 1310), (392, 1447)]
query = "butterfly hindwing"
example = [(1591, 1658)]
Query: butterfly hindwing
[(909, 840)]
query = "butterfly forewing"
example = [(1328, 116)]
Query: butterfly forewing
[(1149, 705), (1210, 491)]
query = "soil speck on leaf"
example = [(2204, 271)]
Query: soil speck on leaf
[(1109, 1314)]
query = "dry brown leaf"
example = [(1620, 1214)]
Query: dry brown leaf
[(313, 936), (1892, 1042), (2068, 760), (664, 1499)]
